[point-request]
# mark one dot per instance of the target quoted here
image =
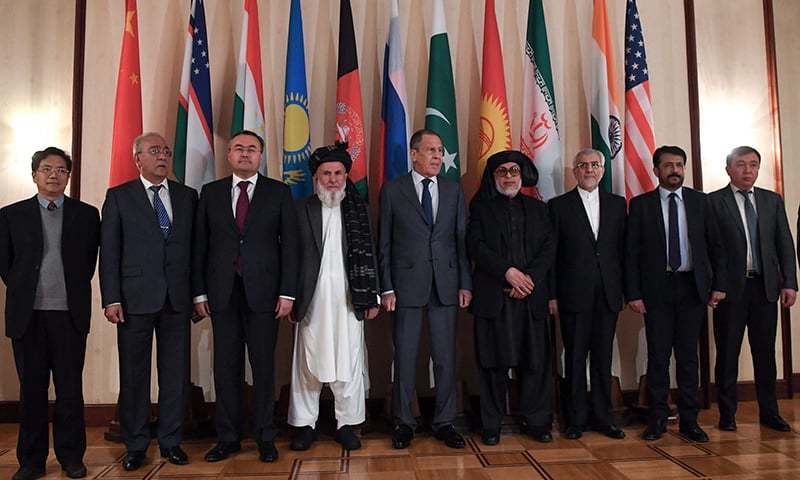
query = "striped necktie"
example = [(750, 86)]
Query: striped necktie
[(161, 211)]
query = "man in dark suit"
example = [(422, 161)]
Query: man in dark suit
[(587, 295), (146, 286), (424, 266), (760, 271), (674, 266), (48, 251), (245, 278), (512, 245)]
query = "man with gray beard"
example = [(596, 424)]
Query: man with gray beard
[(338, 290), (510, 241)]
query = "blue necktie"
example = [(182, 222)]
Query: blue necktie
[(427, 202), (752, 229), (674, 238), (161, 212)]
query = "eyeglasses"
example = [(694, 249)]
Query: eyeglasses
[(47, 171), (503, 171), (588, 165), (156, 151), (249, 150)]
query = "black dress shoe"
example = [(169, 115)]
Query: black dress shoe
[(347, 438), (175, 455), (775, 422), (74, 470), (694, 433), (28, 473), (222, 450), (267, 452), (450, 437), (540, 434), (727, 424), (611, 431), (490, 437), (133, 460), (402, 435), (574, 432), (655, 429), (302, 438)]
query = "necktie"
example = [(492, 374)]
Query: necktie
[(674, 238), (161, 212), (242, 205), (51, 206), (752, 228), (427, 202)]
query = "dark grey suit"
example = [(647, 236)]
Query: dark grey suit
[(150, 277), (425, 265), (751, 302)]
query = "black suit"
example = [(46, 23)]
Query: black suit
[(45, 341), (588, 287), (150, 277), (675, 301), (751, 302), (243, 304)]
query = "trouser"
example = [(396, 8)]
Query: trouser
[(535, 395), (50, 343)]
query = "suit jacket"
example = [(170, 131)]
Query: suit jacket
[(646, 248), (577, 250), (487, 242), (309, 221), (777, 247), (268, 246), (138, 268), (21, 252), (412, 255)]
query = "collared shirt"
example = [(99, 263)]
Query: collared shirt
[(235, 190), (740, 203), (591, 203), (43, 202), (683, 227), (163, 194), (433, 188)]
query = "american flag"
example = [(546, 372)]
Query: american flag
[(639, 136)]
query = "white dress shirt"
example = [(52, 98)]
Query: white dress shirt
[(740, 203), (591, 204), (235, 190), (683, 227), (433, 188), (163, 194)]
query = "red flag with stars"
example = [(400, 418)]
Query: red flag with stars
[(128, 104)]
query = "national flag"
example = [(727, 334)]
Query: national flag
[(193, 162), (606, 128), (640, 138), (495, 126), (296, 132), (394, 117), (349, 114), (539, 138), (440, 110), (248, 102), (128, 102)]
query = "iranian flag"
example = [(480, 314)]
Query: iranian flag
[(248, 103), (606, 127), (440, 110)]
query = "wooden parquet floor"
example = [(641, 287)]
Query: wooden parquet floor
[(752, 452)]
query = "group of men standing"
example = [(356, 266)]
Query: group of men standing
[(234, 254)]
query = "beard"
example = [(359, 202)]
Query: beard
[(509, 192), (330, 199)]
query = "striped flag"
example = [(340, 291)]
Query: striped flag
[(296, 132), (606, 127), (128, 102), (349, 114), (539, 137), (248, 102), (640, 139), (495, 126), (394, 117), (193, 162)]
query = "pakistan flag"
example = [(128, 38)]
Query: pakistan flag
[(440, 111)]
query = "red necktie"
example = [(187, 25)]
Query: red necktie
[(242, 205)]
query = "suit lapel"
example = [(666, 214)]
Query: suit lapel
[(314, 212), (655, 207), (761, 211), (407, 187), (227, 202), (177, 199), (733, 209), (68, 219), (577, 205), (36, 222), (693, 221)]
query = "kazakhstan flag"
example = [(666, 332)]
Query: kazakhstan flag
[(296, 132)]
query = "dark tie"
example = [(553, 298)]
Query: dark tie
[(161, 211), (427, 202), (51, 206), (674, 236), (752, 228), (242, 205)]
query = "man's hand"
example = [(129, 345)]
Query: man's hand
[(637, 306), (113, 314), (519, 280), (788, 297), (464, 297), (201, 310), (372, 313), (388, 301), (284, 307), (715, 298), (552, 307)]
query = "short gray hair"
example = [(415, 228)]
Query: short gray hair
[(137, 142), (585, 153)]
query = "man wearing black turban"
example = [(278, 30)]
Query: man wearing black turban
[(510, 241)]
